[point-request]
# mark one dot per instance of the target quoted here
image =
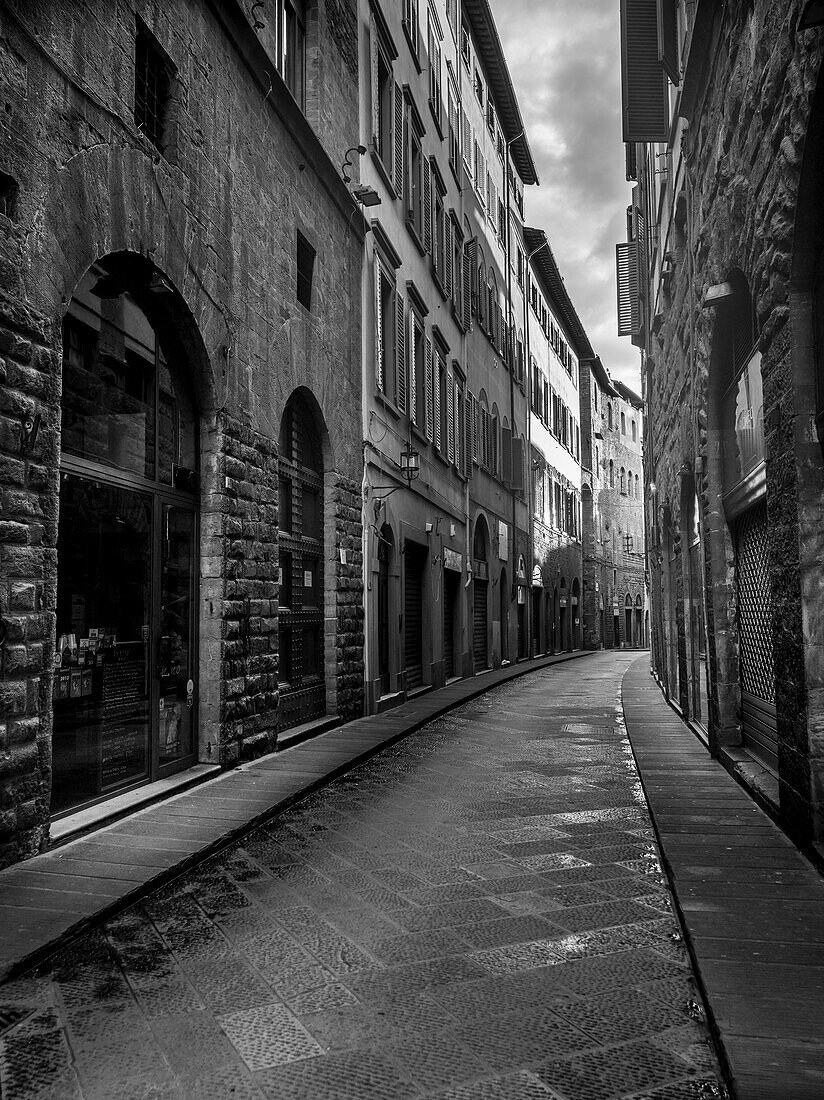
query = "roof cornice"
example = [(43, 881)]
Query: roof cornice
[(496, 70)]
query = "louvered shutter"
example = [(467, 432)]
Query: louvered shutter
[(631, 154), (430, 391), (517, 463), (378, 328), (506, 456), (467, 139), (448, 232), (373, 45), (469, 267), (629, 311), (400, 356), (476, 414), (436, 406), (469, 421), (413, 381), (397, 155), (668, 38), (454, 133), (645, 98), (427, 205), (449, 397)]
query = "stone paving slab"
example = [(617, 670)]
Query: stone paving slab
[(161, 840), (396, 933), (752, 905)]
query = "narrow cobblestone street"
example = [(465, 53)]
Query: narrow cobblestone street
[(476, 913)]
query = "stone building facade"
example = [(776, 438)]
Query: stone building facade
[(445, 403), (180, 353), (725, 142), (556, 343), (616, 612)]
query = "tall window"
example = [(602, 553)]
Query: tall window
[(382, 96), (414, 171), (417, 371), (384, 330), (300, 544), (439, 226), (154, 76), (611, 474), (293, 58), (435, 96)]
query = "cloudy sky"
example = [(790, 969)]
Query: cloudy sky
[(565, 63)]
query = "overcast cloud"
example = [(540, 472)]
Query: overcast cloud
[(565, 62)]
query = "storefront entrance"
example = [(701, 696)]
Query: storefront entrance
[(125, 658), (300, 540)]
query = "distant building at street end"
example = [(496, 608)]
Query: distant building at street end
[(616, 612), (721, 286)]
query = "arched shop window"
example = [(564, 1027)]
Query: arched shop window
[(301, 529), (125, 660)]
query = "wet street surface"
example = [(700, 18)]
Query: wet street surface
[(477, 913)]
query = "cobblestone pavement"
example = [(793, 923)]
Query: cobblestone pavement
[(478, 913)]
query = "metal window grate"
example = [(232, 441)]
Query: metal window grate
[(754, 620), (152, 88)]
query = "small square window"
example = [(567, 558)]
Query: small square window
[(153, 80), (306, 264)]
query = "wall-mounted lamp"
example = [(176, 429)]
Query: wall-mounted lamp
[(410, 463), (628, 543), (29, 427), (347, 163)]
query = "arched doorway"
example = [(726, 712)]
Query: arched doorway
[(522, 647), (451, 621), (563, 617), (300, 543), (639, 622), (537, 596), (415, 557), (480, 587), (386, 553), (739, 419), (127, 542), (628, 621)]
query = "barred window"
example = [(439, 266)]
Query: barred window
[(153, 81)]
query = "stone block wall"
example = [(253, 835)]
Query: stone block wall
[(218, 216), (745, 149)]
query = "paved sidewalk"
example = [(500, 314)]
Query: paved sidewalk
[(55, 895), (752, 905)]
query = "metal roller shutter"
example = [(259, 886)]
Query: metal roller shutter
[(413, 620), (479, 626)]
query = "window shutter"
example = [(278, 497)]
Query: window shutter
[(373, 42), (397, 156), (454, 135), (400, 357), (430, 391), (629, 311), (469, 268), (469, 417), (517, 463), (467, 140), (436, 407), (668, 38), (448, 233), (631, 153), (506, 456), (378, 328), (645, 99), (413, 381), (427, 206), (476, 414), (449, 397)]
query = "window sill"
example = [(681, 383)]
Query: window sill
[(383, 172), (419, 435), (388, 404), (413, 233), (436, 118)]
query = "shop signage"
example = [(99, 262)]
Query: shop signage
[(452, 559), (503, 541), (521, 594), (481, 570), (563, 601), (537, 579)]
